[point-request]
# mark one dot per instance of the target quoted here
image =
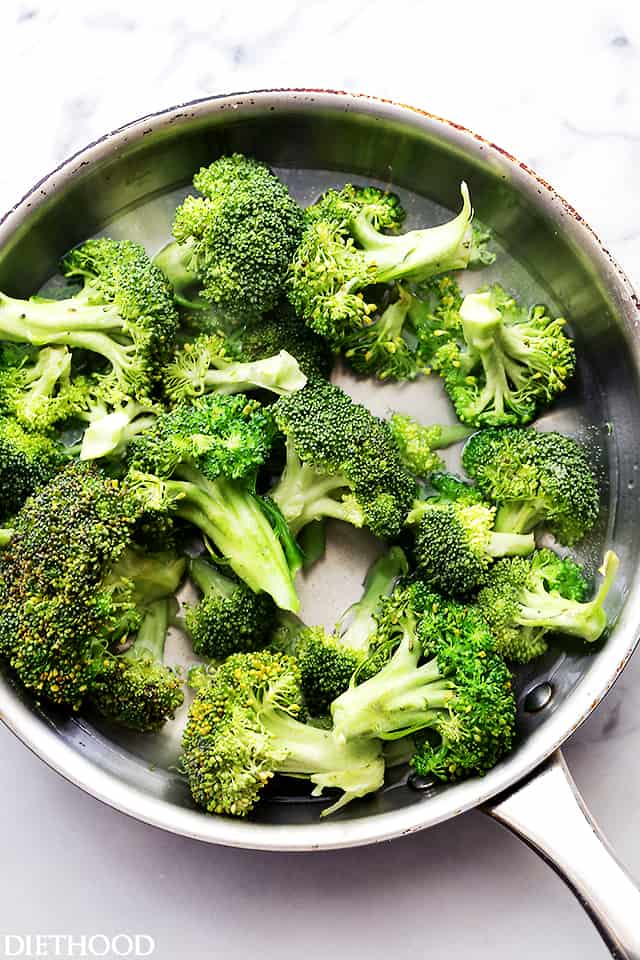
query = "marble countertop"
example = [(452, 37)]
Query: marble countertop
[(561, 89)]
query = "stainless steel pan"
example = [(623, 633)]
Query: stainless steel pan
[(127, 184)]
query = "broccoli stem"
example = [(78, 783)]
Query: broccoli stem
[(520, 516), (445, 435), (303, 495), (357, 768), (108, 435), (53, 364), (419, 253), (280, 374), (152, 634), (209, 580), (231, 517), (510, 544), (585, 620), (397, 701), (174, 260), (378, 583)]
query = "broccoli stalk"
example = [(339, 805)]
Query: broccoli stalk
[(174, 260), (108, 434), (360, 617), (203, 367), (232, 520)]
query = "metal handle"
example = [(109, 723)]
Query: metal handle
[(548, 813)]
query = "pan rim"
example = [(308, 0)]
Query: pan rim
[(42, 740)]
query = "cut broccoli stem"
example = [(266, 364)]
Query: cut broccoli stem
[(35, 321), (174, 261), (519, 516), (303, 495), (510, 544), (481, 325), (357, 768), (446, 434), (232, 519), (5, 536), (110, 434), (585, 620), (280, 374), (379, 582), (419, 253), (152, 635)]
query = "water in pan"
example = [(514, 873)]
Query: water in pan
[(335, 582)]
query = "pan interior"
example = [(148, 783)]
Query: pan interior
[(532, 261)]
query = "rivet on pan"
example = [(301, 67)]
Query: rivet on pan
[(538, 698), (416, 782)]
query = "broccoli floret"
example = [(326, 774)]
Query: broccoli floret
[(282, 330), (124, 313), (435, 318), (417, 442), (245, 725), (112, 416), (35, 385), (455, 541), (344, 251), (199, 461), (229, 617), (535, 478), (56, 610), (329, 661), (236, 240), (27, 462), (513, 363), (380, 347), (136, 689), (204, 366), (341, 463), (524, 600), (444, 677)]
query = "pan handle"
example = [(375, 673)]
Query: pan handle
[(548, 813)]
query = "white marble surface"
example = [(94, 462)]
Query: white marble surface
[(558, 85)]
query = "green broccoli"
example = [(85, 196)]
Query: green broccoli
[(245, 725), (381, 347), (58, 608), (27, 462), (455, 541), (328, 661), (113, 418), (35, 385), (135, 688), (199, 461), (341, 463), (282, 330), (235, 241), (204, 366), (229, 618), (6, 533), (344, 251), (524, 600), (535, 478), (123, 313), (443, 677), (417, 442), (512, 364)]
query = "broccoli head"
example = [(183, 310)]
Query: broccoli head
[(341, 463), (513, 362), (443, 681), (535, 478), (417, 442), (27, 462), (229, 618), (344, 251), (526, 599), (236, 240), (455, 542), (245, 725), (35, 385)]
